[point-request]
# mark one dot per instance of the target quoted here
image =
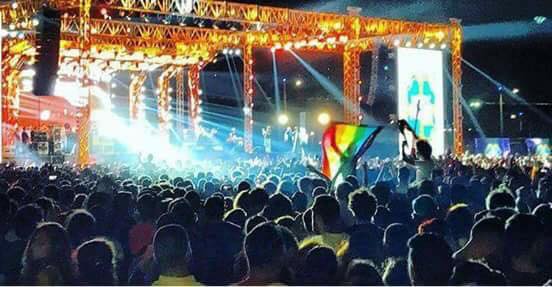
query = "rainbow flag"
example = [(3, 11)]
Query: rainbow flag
[(342, 145)]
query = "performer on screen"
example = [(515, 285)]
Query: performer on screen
[(421, 102)]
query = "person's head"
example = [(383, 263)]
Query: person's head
[(194, 199), (459, 221), (497, 199), (429, 260), (382, 192), (96, 263), (458, 194), (270, 187), (305, 185), (317, 191), (325, 213), (343, 191), (214, 208), (353, 180), (362, 273), (254, 221), (423, 149), (286, 187), (147, 207), (423, 207), (25, 220), (363, 205), (236, 216), (182, 212), (256, 201), (404, 175), (81, 226), (299, 201), (395, 239), (426, 187), (47, 257), (521, 234), (265, 250), (475, 273), (278, 205), (320, 267), (396, 273), (171, 250), (486, 239)]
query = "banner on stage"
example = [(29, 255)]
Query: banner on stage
[(420, 94)]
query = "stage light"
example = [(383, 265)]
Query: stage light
[(230, 52), (513, 116), (28, 73), (103, 11), (171, 90), (283, 119), (331, 40), (21, 36), (45, 115), (237, 52), (420, 44), (143, 89), (14, 5), (343, 39), (27, 85), (12, 26), (443, 46), (225, 51), (288, 46), (298, 83), (157, 91), (324, 119), (475, 104), (515, 91), (200, 92), (432, 46), (396, 42), (35, 22), (539, 19), (273, 49), (408, 44)]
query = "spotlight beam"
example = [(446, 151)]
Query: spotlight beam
[(509, 92), (327, 85), (275, 79), (230, 70)]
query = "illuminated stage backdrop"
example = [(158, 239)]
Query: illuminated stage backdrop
[(420, 92), (537, 146), (493, 147)]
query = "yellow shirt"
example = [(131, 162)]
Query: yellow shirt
[(336, 241), (176, 281)]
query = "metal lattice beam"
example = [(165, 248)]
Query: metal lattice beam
[(249, 93)]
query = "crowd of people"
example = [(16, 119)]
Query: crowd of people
[(417, 221)]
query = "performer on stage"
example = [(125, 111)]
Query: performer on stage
[(267, 134), (291, 136), (234, 140)]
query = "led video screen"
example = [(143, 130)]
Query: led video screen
[(420, 94)]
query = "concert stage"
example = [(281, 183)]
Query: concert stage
[(101, 39)]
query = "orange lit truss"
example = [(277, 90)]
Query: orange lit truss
[(91, 39)]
